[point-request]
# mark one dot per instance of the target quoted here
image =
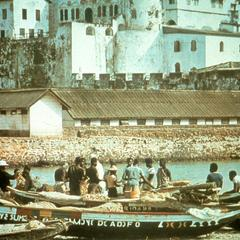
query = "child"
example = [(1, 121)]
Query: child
[(111, 180)]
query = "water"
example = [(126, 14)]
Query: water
[(196, 172)]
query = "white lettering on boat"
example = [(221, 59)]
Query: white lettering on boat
[(13, 217)]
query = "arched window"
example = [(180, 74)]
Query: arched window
[(177, 46), (221, 46), (193, 45), (109, 32), (99, 10), (61, 15), (104, 10), (88, 15), (115, 10), (111, 10), (171, 22), (90, 31), (72, 14), (134, 13), (177, 67), (121, 27), (77, 13), (66, 14)]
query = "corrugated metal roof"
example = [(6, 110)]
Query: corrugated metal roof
[(23, 98), (127, 104)]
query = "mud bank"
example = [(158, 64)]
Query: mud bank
[(175, 144)]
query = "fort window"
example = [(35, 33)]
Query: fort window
[(171, 1), (193, 45), (111, 10), (134, 13), (61, 15), (195, 2), (105, 122), (4, 13), (31, 33), (2, 34), (171, 22), (72, 14), (22, 32), (213, 3), (156, 14), (177, 46), (77, 13), (99, 10), (3, 112), (221, 46), (40, 32), (109, 32), (177, 67), (88, 15), (141, 122), (24, 14), (115, 10), (90, 31), (66, 14), (104, 10), (24, 111), (37, 15)]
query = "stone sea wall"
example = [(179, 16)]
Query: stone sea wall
[(173, 143)]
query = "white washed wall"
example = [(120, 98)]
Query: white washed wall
[(203, 15), (95, 122), (150, 122), (217, 122), (138, 52), (187, 58), (30, 22), (132, 122), (233, 121), (184, 122), (89, 51), (6, 24), (167, 122), (114, 123), (46, 117), (231, 49), (14, 122)]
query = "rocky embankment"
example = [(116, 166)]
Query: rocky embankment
[(173, 143)]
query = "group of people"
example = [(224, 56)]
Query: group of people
[(77, 179), (217, 178), (95, 180), (23, 178)]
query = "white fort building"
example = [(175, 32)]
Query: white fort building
[(130, 36)]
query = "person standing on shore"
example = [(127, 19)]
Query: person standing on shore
[(129, 164), (149, 175), (163, 174), (29, 184), (215, 176), (133, 176), (76, 174), (111, 179), (61, 177), (93, 175), (5, 177)]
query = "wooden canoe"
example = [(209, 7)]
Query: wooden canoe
[(33, 230), (111, 220)]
